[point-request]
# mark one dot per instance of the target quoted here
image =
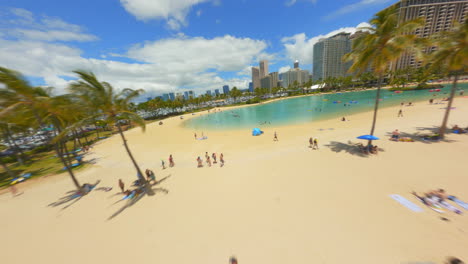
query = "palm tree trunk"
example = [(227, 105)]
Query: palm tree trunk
[(449, 106), (67, 166), (376, 107), (5, 167), (78, 138), (140, 174), (11, 141), (85, 136)]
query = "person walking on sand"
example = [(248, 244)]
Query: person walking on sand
[(214, 158), (206, 155), (311, 142), (171, 161), (400, 113), (233, 260), (200, 162), (221, 160), (195, 135), (121, 185), (163, 165), (208, 161), (275, 138), (315, 144), (13, 190)]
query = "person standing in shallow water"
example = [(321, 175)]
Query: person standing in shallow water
[(275, 138)]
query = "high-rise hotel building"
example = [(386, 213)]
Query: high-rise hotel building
[(263, 68), (439, 15), (256, 77), (328, 54)]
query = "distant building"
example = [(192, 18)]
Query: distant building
[(186, 95), (191, 94), (294, 75), (263, 68), (171, 96), (265, 82), (208, 92), (179, 96), (165, 97), (328, 54), (226, 89), (216, 92), (251, 88), (296, 64), (256, 77), (439, 15)]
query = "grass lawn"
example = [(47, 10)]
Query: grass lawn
[(46, 163)]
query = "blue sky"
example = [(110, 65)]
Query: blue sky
[(168, 45)]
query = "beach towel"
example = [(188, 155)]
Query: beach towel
[(413, 207), (459, 202)]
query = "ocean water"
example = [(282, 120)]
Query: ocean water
[(311, 108)]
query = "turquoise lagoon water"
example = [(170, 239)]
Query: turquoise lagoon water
[(309, 108)]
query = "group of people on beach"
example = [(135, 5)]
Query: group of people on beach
[(313, 143), (438, 199), (208, 160)]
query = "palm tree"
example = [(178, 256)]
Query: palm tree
[(33, 103), (381, 45), (452, 57), (108, 104)]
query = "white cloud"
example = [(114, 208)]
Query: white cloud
[(24, 25), (284, 69), (173, 11), (192, 63), (292, 2), (354, 7), (225, 53), (52, 35), (22, 14), (300, 47)]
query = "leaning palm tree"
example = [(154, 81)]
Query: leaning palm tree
[(451, 57), (107, 105), (380, 45), (21, 103)]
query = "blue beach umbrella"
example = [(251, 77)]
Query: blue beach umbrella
[(368, 137)]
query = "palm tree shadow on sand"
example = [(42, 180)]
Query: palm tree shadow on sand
[(146, 190), (71, 197), (350, 148)]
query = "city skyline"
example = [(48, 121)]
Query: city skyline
[(162, 48)]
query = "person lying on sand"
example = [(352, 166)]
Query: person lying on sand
[(440, 193)]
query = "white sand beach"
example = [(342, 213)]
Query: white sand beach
[(273, 202)]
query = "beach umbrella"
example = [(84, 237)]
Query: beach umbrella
[(368, 137)]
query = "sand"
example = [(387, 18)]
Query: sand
[(272, 202)]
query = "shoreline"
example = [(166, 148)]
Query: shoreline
[(198, 114)]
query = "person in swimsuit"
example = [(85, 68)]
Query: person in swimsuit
[(200, 163), (171, 161), (311, 142), (214, 158), (221, 159)]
